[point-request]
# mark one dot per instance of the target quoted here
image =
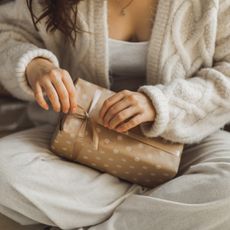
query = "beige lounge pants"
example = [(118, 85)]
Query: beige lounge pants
[(37, 186)]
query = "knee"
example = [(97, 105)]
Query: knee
[(211, 159), (215, 177), (8, 175), (12, 169)]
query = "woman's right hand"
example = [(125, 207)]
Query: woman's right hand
[(56, 83)]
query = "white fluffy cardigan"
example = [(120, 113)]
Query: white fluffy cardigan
[(188, 64)]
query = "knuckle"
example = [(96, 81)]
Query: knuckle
[(43, 79), (44, 82), (138, 119), (65, 102), (109, 99), (107, 103), (51, 96), (72, 92), (55, 77), (133, 122), (63, 95), (64, 72), (123, 126), (120, 116), (112, 111), (132, 98), (53, 72), (39, 99), (56, 103), (125, 92), (142, 111), (37, 95)]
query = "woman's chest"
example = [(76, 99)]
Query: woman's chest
[(179, 46), (131, 20)]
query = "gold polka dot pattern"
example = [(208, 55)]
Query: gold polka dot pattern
[(117, 154)]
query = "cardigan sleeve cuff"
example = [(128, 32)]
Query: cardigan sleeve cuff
[(24, 60), (160, 103)]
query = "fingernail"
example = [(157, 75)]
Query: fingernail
[(74, 110), (57, 110), (119, 130)]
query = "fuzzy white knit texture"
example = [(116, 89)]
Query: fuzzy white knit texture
[(188, 64)]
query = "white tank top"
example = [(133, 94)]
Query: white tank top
[(127, 61)]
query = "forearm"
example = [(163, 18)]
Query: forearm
[(19, 44), (14, 60), (189, 109), (193, 108)]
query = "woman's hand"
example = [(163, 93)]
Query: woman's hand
[(56, 83), (125, 110)]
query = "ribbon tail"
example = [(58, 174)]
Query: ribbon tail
[(82, 130), (95, 136)]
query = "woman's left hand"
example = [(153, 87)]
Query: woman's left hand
[(126, 110)]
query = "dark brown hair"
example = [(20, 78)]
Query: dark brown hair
[(60, 15)]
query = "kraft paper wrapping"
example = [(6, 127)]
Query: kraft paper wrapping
[(130, 156)]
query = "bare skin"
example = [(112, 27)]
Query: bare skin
[(125, 109), (136, 25), (56, 83)]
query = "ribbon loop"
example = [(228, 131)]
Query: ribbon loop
[(87, 119)]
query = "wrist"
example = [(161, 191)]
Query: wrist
[(38, 61)]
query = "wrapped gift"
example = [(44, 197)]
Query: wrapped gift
[(131, 156)]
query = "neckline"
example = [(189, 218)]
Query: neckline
[(128, 42), (99, 11)]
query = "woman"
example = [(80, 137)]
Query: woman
[(183, 49)]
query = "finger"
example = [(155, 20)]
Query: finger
[(110, 101), (68, 82), (133, 122), (52, 95), (39, 97), (115, 109), (61, 91), (123, 116)]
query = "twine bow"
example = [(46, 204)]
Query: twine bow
[(86, 117)]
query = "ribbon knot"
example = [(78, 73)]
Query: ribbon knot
[(85, 115)]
